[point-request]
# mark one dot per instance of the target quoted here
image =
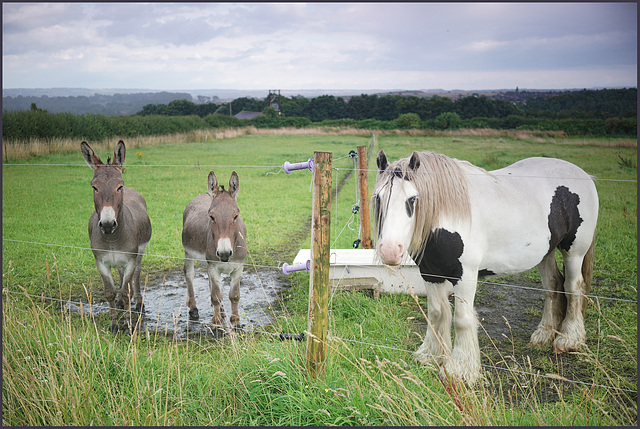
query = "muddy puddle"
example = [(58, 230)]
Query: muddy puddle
[(506, 312), (166, 311)]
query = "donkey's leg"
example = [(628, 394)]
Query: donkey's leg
[(465, 357), (126, 291), (189, 273), (572, 333), (136, 278), (234, 295), (555, 302), (120, 291), (437, 341), (216, 293), (109, 292)]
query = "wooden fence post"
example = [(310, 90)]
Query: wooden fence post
[(365, 222), (318, 324)]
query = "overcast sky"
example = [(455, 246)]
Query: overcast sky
[(173, 46)]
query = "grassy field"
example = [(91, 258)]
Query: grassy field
[(64, 369)]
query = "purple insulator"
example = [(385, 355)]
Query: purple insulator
[(288, 269), (288, 167)]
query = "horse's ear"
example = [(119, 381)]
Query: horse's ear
[(234, 185), (382, 162), (90, 156), (119, 154), (414, 162), (213, 184)]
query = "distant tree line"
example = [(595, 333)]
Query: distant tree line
[(586, 104), (590, 113), (100, 104)]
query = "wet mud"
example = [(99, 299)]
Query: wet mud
[(166, 311)]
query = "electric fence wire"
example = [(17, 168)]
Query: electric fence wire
[(597, 179)]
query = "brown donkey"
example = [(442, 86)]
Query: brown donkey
[(213, 232), (119, 230)]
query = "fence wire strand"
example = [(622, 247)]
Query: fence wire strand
[(279, 267)]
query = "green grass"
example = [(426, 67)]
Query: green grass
[(61, 369), (52, 203)]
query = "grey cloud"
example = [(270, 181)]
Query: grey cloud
[(312, 38)]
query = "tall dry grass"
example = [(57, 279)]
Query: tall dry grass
[(36, 147)]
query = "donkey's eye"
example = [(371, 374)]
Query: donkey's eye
[(95, 189), (212, 219), (119, 188), (235, 218)]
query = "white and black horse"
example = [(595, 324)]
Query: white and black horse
[(458, 221)]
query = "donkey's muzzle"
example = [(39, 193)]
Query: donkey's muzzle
[(108, 227), (224, 255)]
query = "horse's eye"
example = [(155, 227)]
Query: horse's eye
[(410, 206)]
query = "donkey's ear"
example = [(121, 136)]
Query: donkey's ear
[(234, 185), (414, 162), (119, 153), (213, 184), (90, 156), (382, 162)]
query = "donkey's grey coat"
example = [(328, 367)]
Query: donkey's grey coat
[(119, 237), (213, 232)]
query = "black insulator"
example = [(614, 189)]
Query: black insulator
[(298, 337)]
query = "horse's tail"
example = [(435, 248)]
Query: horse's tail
[(587, 271)]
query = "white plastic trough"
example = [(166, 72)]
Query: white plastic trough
[(359, 269)]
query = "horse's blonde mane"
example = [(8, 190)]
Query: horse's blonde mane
[(443, 192)]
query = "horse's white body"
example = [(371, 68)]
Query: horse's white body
[(518, 216)]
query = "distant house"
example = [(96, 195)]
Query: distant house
[(245, 114)]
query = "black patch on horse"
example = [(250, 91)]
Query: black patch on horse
[(440, 259), (564, 219)]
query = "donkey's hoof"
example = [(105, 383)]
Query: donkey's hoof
[(235, 320), (193, 314), (140, 307)]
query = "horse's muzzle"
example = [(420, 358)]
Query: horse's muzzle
[(390, 253)]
